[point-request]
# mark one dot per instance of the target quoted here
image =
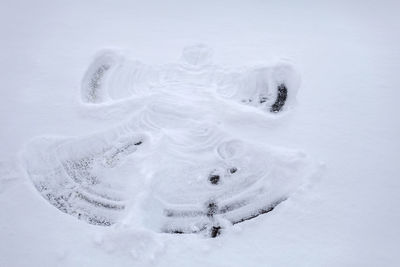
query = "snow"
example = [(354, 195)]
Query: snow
[(333, 152)]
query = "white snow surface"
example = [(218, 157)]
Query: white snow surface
[(114, 113)]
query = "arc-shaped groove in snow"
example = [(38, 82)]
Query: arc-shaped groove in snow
[(210, 223), (280, 99), (94, 83), (248, 182), (72, 180)]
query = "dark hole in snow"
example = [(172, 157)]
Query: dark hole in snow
[(138, 143), (212, 208), (280, 99), (214, 178), (232, 170), (177, 232), (215, 231), (263, 99)]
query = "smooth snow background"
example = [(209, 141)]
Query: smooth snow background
[(347, 116)]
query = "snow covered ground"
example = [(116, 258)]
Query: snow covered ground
[(332, 154)]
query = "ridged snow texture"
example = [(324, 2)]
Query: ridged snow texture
[(171, 167)]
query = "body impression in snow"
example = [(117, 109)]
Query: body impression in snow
[(171, 167)]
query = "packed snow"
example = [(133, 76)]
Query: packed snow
[(199, 134)]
